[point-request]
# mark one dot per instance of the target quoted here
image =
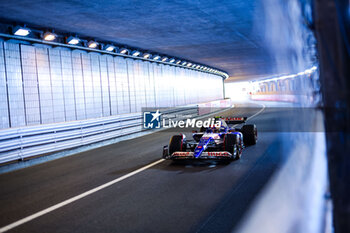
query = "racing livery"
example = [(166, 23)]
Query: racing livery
[(224, 142)]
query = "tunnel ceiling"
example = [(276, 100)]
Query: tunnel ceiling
[(222, 34)]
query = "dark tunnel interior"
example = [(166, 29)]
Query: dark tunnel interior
[(291, 57)]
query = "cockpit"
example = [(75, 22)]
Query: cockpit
[(216, 129)]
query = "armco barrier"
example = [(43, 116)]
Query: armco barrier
[(20, 143), (282, 98), (29, 141)]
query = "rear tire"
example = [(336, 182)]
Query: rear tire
[(177, 143), (250, 134)]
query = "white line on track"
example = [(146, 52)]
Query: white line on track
[(73, 199), (87, 193), (261, 110)]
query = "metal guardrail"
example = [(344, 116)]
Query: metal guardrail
[(24, 142)]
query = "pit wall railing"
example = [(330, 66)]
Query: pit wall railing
[(25, 142), (299, 88)]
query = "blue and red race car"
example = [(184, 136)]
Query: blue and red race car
[(219, 143)]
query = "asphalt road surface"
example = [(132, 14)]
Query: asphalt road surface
[(165, 197)]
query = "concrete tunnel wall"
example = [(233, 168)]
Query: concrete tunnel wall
[(40, 84), (295, 200)]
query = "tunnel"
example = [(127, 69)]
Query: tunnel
[(175, 116)]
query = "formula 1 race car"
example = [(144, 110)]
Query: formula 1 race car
[(219, 143)]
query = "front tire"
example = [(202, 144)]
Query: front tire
[(238, 152), (250, 134), (231, 145)]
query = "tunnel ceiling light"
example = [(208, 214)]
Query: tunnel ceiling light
[(147, 55), (21, 31), (282, 77), (49, 36), (311, 70), (278, 78), (135, 53), (73, 40), (124, 51), (92, 44), (156, 57), (109, 47)]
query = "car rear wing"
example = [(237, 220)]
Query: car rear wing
[(234, 120)]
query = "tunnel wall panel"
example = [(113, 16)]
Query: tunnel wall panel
[(40, 84), (45, 87), (155, 68), (112, 85), (106, 108), (152, 89), (14, 85), (68, 85), (30, 85), (97, 86), (78, 85), (4, 114), (122, 80), (92, 111), (148, 87), (140, 92), (57, 85), (132, 89)]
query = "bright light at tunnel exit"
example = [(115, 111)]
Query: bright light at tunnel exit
[(237, 91)]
